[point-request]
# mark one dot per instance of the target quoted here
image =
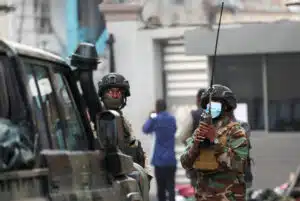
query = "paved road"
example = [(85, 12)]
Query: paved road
[(275, 155)]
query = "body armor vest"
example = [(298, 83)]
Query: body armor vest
[(207, 159)]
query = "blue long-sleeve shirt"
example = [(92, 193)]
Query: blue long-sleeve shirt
[(164, 127)]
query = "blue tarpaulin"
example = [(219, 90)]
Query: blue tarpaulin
[(85, 23)]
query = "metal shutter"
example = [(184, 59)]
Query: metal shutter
[(184, 75)]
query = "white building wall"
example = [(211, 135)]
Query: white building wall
[(4, 21), (58, 39), (27, 34)]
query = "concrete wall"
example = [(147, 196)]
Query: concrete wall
[(26, 33), (4, 22), (57, 40)]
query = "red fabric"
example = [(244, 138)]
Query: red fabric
[(185, 190)]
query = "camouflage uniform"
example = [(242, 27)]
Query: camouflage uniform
[(132, 146), (226, 182)]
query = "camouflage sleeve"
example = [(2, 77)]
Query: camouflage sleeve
[(246, 127), (236, 152), (190, 154)]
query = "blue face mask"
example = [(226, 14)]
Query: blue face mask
[(216, 109)]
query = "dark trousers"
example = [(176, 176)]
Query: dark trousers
[(165, 181)]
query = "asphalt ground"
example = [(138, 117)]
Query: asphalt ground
[(275, 156)]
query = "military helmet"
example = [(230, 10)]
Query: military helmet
[(220, 93), (113, 80)]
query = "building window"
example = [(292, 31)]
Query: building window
[(283, 92), (243, 75), (43, 16)]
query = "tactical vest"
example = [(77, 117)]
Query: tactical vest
[(207, 160)]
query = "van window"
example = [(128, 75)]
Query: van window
[(76, 136), (46, 104), (56, 107)]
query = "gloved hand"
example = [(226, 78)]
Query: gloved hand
[(204, 131)]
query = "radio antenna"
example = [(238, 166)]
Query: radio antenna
[(214, 64)]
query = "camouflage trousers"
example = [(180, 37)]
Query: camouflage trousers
[(232, 192)]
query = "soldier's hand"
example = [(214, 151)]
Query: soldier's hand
[(198, 136), (204, 131)]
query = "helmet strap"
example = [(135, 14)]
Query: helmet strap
[(124, 103)]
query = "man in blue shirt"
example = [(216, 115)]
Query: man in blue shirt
[(163, 124)]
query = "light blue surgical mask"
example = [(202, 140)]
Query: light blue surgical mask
[(216, 109)]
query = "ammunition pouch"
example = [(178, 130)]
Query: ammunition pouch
[(206, 160)]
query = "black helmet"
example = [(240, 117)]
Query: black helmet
[(221, 93), (113, 80)]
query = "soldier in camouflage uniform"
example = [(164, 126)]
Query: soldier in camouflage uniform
[(218, 152), (113, 92)]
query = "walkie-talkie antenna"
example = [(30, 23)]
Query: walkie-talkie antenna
[(214, 64), (216, 46)]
